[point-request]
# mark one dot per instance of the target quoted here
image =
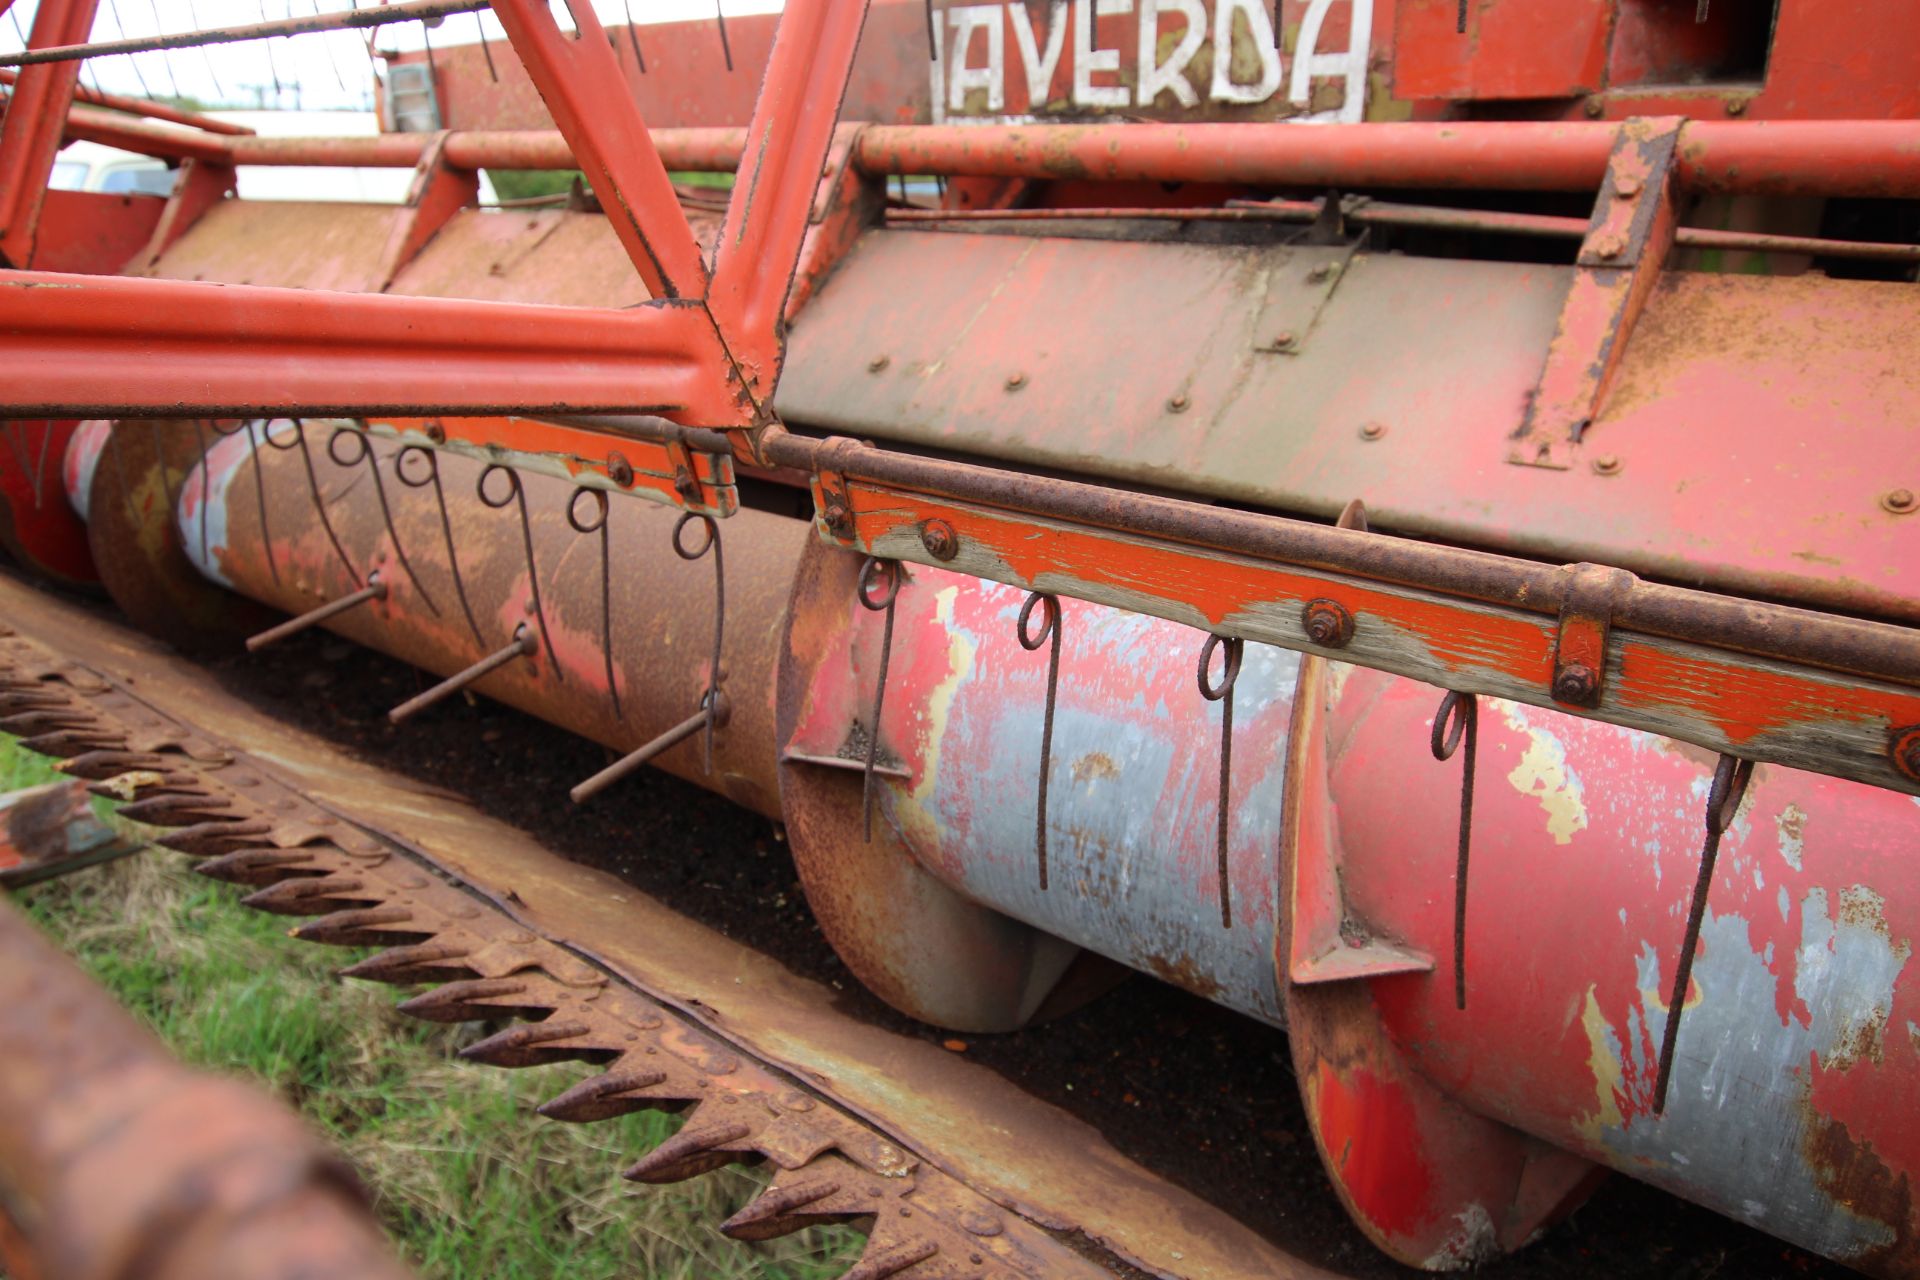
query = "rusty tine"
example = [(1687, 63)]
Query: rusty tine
[(777, 1211), (72, 742), (599, 526), (869, 572), (535, 1045), (249, 866), (1730, 778), (420, 962), (1049, 630), (467, 1001), (372, 464), (205, 839), (310, 896), (432, 477), (176, 809), (26, 723), (891, 1260), (1459, 715), (313, 491), (516, 493), (699, 1147), (1222, 693), (97, 766), (259, 490), (366, 927), (523, 645), (712, 701), (603, 1097)]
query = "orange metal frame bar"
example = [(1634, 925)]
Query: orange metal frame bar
[(703, 351)]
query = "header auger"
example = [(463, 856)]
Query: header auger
[(1394, 517)]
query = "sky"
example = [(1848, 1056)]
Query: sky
[(319, 72)]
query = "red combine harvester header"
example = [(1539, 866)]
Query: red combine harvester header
[(1507, 405)]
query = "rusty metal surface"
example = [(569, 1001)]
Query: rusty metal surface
[(115, 1160), (891, 1103), (1717, 388), (50, 830), (661, 607)]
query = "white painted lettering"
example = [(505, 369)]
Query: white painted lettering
[(1351, 65), (1039, 66), (1087, 60), (963, 79), (1260, 43), (1156, 77)]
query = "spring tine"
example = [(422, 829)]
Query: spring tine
[(933, 48), (1235, 649), (1459, 20), (633, 37), (599, 526), (1730, 778), (1459, 715), (726, 49), (602, 1097), (523, 645), (374, 590), (379, 492), (864, 593), (711, 702), (516, 493), (1049, 630), (313, 486), (700, 1146), (446, 525), (200, 434)]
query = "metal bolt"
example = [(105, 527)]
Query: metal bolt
[(981, 1224), (619, 470), (1736, 106), (1611, 245), (1607, 464), (1283, 340), (839, 519), (1576, 683), (1015, 381), (941, 542), (685, 484), (1900, 501), (437, 432), (1594, 108), (1178, 404), (1327, 623), (1320, 273), (878, 363), (1626, 185), (1373, 430), (1906, 751)]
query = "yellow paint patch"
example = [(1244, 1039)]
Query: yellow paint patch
[(1609, 1082), (1543, 774), (960, 654)]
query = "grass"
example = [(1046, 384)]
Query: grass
[(467, 1181)]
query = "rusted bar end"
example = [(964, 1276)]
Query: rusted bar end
[(639, 756), (525, 644), (374, 590)]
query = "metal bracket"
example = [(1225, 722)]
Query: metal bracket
[(1620, 260), (438, 192), (1580, 645), (1298, 288), (199, 185)]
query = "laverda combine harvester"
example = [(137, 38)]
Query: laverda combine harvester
[(1398, 517)]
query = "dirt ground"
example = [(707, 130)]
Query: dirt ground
[(1200, 1094)]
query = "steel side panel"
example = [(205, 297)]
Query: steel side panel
[(285, 243), (1757, 420)]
